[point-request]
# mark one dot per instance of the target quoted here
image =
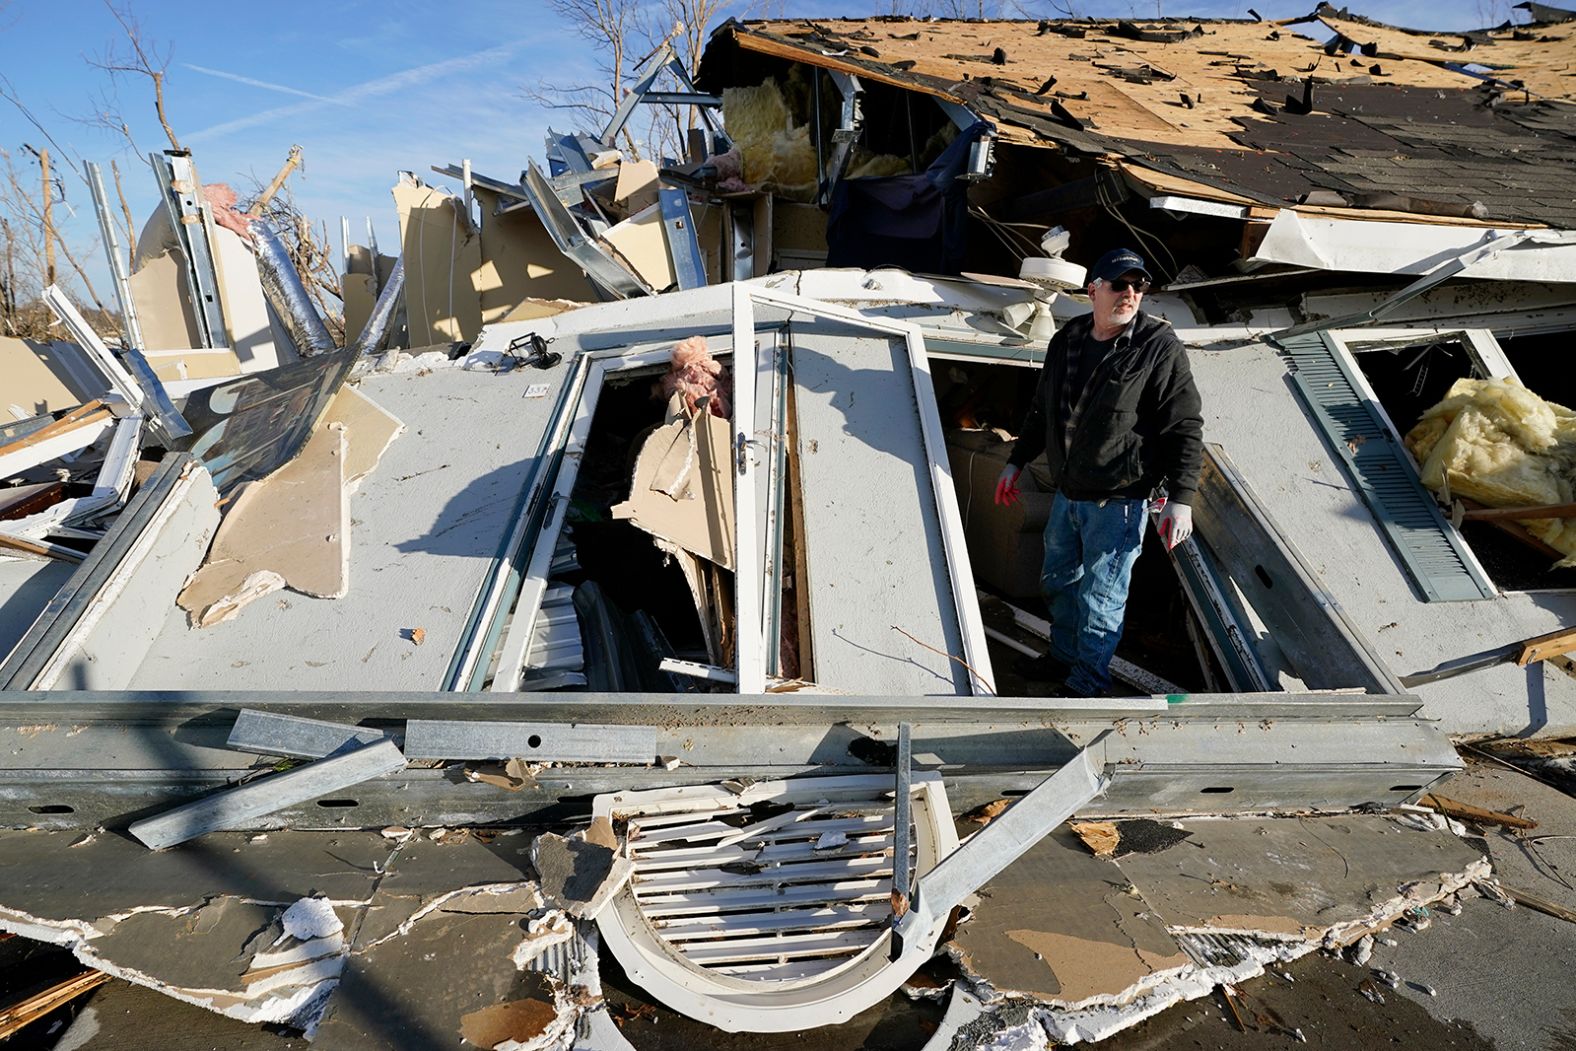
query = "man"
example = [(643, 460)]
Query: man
[(1117, 415)]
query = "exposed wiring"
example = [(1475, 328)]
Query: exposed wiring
[(977, 676), (1148, 243)]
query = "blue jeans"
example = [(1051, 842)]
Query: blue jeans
[(1090, 548)]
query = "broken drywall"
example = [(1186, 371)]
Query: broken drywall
[(442, 253), (294, 523), (578, 874), (286, 926), (641, 245), (291, 529), (682, 490), (1121, 940), (520, 264)]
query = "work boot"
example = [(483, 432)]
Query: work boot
[(1046, 668)]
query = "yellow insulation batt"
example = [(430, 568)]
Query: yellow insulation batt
[(1503, 446), (777, 154)]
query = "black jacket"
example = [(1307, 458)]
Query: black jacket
[(1139, 425)]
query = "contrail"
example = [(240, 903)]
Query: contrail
[(366, 90), (259, 83)]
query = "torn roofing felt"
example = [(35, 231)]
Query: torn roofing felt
[(1381, 118)]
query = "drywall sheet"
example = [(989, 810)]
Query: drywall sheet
[(642, 246), (874, 552), (164, 303), (1091, 938), (292, 923), (241, 296), (292, 528), (519, 262), (442, 256), (428, 524), (358, 299), (42, 378), (172, 366), (369, 428), (682, 489), (294, 524), (1292, 878)]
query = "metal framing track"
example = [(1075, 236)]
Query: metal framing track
[(72, 759)]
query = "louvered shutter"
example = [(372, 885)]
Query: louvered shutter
[(1433, 552)]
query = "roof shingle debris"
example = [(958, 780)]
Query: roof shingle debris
[(1330, 101)]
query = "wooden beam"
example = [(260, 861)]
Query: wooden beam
[(1513, 529), (31, 1008), (1493, 514), (1475, 814), (1543, 647), (1543, 905)]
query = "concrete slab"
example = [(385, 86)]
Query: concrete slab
[(1295, 877), (1506, 973), (1092, 937), (1541, 861)]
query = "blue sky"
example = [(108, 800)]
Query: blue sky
[(368, 87)]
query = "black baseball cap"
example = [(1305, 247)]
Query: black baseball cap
[(1116, 262)]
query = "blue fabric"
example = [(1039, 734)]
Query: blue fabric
[(917, 222), (1090, 548)]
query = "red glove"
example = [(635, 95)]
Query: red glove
[(1007, 486)]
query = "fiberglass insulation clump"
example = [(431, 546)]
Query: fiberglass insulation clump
[(1498, 443), (776, 151)]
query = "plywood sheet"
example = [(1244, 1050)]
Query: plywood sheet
[(1091, 70), (874, 554), (682, 490)]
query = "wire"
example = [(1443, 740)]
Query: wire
[(1105, 201)]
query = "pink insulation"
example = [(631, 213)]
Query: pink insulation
[(221, 199), (695, 374)]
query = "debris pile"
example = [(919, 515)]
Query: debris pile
[(610, 571)]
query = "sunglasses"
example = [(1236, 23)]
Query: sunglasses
[(1122, 285)]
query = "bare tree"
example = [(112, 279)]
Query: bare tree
[(136, 58), (309, 249), (623, 34), (613, 28), (28, 234)]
